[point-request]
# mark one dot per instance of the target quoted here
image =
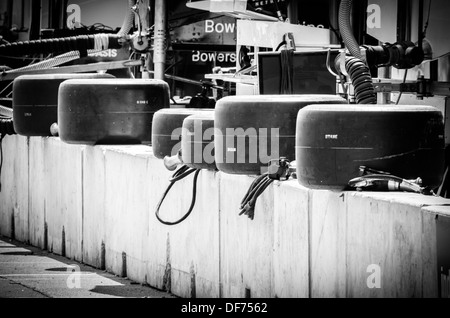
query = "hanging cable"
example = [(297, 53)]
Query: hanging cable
[(401, 93), (428, 20), (287, 64), (279, 170), (258, 186), (287, 75), (180, 174)]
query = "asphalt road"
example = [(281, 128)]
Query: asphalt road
[(27, 272)]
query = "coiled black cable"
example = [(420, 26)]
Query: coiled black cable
[(180, 174), (362, 81)]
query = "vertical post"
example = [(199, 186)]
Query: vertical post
[(9, 15), (53, 14), (404, 20), (421, 5), (22, 18), (384, 98), (333, 13), (64, 14), (35, 25), (145, 10), (292, 12), (159, 55), (359, 18)]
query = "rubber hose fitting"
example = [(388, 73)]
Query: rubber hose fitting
[(362, 81)]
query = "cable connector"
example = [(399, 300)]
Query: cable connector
[(288, 38), (248, 210), (375, 180), (279, 169), (172, 163)]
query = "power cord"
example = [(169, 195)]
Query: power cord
[(256, 189), (279, 170), (374, 180), (287, 75), (287, 64), (428, 20), (401, 93), (180, 174)]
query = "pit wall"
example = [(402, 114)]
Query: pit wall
[(96, 205)]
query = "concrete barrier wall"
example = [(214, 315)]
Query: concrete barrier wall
[(96, 205)]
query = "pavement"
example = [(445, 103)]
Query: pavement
[(27, 272)]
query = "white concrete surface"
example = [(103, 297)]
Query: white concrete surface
[(302, 243)]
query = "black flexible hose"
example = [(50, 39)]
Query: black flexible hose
[(346, 28), (180, 174), (362, 81), (358, 71), (80, 43), (61, 45), (128, 21)]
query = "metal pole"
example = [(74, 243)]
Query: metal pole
[(293, 12), (35, 25), (421, 5), (9, 15), (145, 17), (159, 53)]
